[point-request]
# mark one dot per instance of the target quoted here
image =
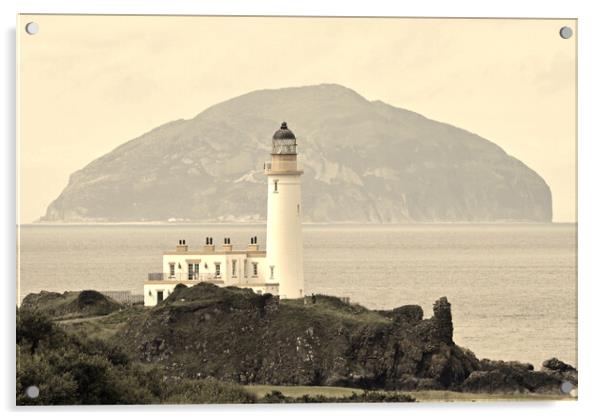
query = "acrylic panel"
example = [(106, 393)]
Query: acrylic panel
[(217, 209)]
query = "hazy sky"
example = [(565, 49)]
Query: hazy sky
[(90, 83)]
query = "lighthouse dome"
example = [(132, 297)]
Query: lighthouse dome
[(283, 133), (284, 141)]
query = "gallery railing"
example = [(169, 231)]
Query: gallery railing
[(183, 276)]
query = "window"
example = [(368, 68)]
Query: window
[(245, 268), (193, 271), (271, 272), (172, 270), (275, 185), (218, 271), (233, 268), (298, 209), (255, 269)]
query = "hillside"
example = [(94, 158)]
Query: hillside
[(364, 161)]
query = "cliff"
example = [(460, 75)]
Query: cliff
[(235, 335), (364, 161)]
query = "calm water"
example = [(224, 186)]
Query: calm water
[(512, 287)]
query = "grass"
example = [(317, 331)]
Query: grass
[(451, 396), (421, 396), (101, 327), (333, 307)]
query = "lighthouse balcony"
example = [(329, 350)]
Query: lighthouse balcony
[(183, 278)]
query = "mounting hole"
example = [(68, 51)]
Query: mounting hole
[(32, 28), (32, 391), (566, 387), (566, 32)]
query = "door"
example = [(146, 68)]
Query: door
[(160, 296), (193, 271)]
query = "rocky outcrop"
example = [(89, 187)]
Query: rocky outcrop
[(516, 377), (364, 161), (236, 335), (560, 370)]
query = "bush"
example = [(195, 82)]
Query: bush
[(71, 369), (366, 396)]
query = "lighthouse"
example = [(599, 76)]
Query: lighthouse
[(278, 270), (284, 244)]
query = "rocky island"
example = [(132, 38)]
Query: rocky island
[(364, 161), (235, 337)]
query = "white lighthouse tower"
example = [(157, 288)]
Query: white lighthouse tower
[(284, 244)]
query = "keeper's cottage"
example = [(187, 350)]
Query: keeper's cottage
[(277, 270)]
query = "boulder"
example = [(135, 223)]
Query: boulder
[(560, 370)]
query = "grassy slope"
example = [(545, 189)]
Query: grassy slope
[(102, 327), (71, 305)]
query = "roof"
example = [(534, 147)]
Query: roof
[(284, 133), (194, 253)]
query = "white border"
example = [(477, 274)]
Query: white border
[(590, 34)]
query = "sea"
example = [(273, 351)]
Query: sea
[(512, 287)]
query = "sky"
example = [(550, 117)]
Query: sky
[(87, 84)]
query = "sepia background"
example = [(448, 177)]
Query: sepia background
[(89, 83)]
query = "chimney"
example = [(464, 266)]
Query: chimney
[(182, 247), (209, 247), (253, 245), (227, 246)]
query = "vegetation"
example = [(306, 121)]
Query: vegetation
[(451, 396), (332, 307), (102, 327), (69, 305), (72, 369), (300, 390), (365, 396), (333, 394)]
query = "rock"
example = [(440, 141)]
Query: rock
[(560, 370), (487, 365), (554, 364), (408, 313), (250, 338), (285, 342), (513, 377), (443, 320), (510, 381), (364, 161)]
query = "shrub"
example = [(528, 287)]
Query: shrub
[(72, 369)]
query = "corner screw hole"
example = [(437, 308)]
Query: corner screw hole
[(566, 32), (32, 28), (32, 391), (566, 387)]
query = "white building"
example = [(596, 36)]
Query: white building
[(278, 270)]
